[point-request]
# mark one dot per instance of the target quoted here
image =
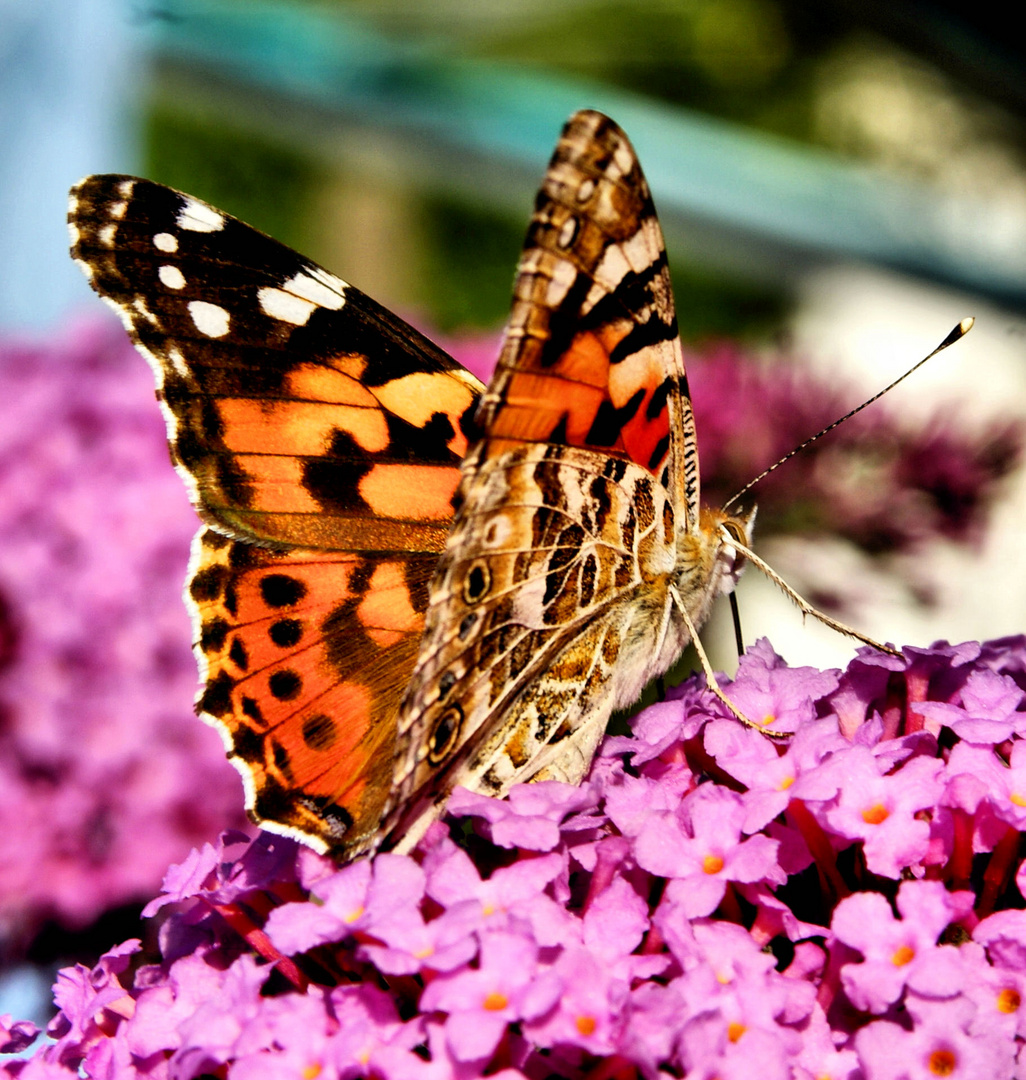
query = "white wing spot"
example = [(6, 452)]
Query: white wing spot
[(139, 303), (300, 296), (126, 187), (117, 210), (198, 217), (285, 306), (106, 234), (563, 276), (330, 282), (165, 241), (612, 268), (172, 277), (85, 268), (323, 290), (210, 319), (174, 354), (586, 189), (624, 158), (567, 232)]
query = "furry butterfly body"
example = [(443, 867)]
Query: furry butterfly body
[(407, 581)]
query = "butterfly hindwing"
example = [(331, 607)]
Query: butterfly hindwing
[(320, 437), (303, 655)]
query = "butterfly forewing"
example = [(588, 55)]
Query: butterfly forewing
[(592, 356), (299, 411)]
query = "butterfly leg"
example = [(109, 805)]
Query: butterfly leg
[(800, 602), (710, 675)]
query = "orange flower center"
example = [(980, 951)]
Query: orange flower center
[(903, 955), (585, 1024), (875, 815), (1008, 1000), (942, 1062), (496, 1002), (712, 864)]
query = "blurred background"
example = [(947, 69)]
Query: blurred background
[(839, 182)]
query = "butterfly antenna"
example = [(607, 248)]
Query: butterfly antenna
[(958, 332)]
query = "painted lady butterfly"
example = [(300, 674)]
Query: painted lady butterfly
[(407, 581)]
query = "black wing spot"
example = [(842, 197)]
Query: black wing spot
[(214, 634), (286, 633), (285, 684), (208, 584), (217, 698), (238, 655), (657, 402), (589, 572), (251, 709), (477, 583), (247, 745), (660, 451), (445, 735), (609, 421), (281, 590)]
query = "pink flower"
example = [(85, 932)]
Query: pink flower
[(506, 986), (899, 953)]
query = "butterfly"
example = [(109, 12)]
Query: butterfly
[(406, 581)]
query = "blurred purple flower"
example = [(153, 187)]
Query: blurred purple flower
[(105, 774)]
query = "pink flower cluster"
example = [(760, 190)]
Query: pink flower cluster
[(848, 904), (105, 774)]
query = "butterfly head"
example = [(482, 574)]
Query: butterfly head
[(733, 533)]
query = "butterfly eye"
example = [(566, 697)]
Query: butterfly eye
[(735, 532), (477, 583), (445, 735)]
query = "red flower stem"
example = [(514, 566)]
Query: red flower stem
[(614, 1067), (916, 686), (729, 908), (999, 869), (819, 845), (259, 942), (960, 865)]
